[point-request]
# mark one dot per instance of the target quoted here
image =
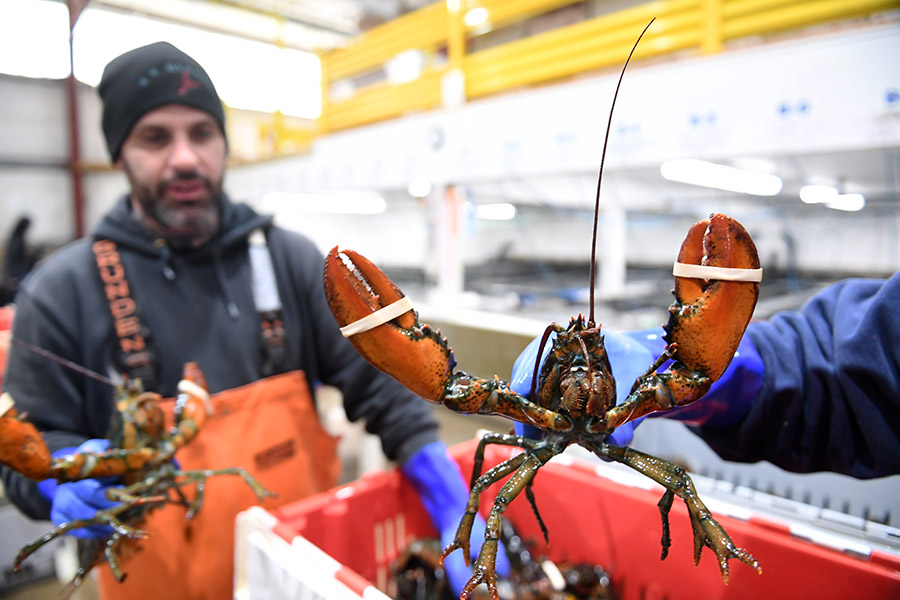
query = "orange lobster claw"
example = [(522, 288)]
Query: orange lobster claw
[(23, 448), (411, 352), (708, 317)]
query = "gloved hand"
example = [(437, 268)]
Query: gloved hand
[(628, 359), (728, 399), (444, 493), (79, 499)]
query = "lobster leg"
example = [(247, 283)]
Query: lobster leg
[(523, 467), (504, 439), (707, 531), (109, 516), (413, 353)]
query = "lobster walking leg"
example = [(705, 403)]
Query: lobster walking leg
[(526, 466), (504, 439), (108, 516), (707, 531)]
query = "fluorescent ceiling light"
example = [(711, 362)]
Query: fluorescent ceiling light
[(34, 42), (233, 63), (419, 188), (817, 194), (34, 39), (476, 17), (830, 197), (339, 202), (405, 66), (499, 211), (722, 177), (848, 202)]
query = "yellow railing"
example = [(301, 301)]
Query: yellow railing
[(438, 31)]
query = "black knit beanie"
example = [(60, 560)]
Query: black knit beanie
[(149, 77)]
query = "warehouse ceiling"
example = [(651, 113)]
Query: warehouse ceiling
[(317, 25), (303, 24)]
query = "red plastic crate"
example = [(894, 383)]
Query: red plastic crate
[(595, 519)]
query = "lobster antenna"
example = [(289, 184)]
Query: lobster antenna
[(63, 361), (600, 176)]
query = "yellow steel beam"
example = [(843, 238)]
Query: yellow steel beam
[(582, 47), (760, 17), (563, 52), (713, 17), (504, 12), (456, 38), (534, 45), (425, 29), (384, 101)]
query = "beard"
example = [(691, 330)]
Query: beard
[(184, 224)]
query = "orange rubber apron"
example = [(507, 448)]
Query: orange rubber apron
[(270, 428)]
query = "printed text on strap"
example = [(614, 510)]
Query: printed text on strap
[(721, 273), (379, 317)]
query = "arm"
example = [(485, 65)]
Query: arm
[(66, 407), (828, 398)]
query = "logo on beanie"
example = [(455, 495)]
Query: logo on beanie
[(187, 84), (189, 80)]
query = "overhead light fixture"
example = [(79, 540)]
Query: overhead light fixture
[(722, 177), (405, 66), (475, 17), (419, 188), (817, 194), (848, 202), (831, 197), (498, 211), (335, 202)]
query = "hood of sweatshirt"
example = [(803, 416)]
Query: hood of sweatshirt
[(121, 226)]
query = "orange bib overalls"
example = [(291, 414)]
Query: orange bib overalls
[(270, 428)]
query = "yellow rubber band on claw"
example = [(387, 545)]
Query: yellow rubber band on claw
[(720, 273), (379, 317)]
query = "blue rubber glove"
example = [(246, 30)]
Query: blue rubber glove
[(730, 397), (628, 359), (79, 499), (444, 494)]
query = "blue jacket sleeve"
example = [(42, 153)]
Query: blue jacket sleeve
[(830, 399)]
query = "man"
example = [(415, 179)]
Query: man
[(172, 275)]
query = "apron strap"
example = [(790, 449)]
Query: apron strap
[(268, 305), (135, 356)]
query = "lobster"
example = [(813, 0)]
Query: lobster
[(416, 573), (573, 398), (142, 454)]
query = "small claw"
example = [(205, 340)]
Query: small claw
[(708, 317), (456, 545), (23, 448), (412, 353)]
